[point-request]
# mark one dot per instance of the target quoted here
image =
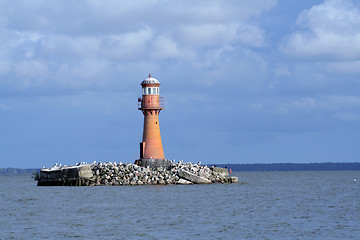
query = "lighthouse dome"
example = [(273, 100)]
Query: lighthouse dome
[(150, 80)]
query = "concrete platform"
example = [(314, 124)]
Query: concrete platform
[(193, 178), (65, 176)]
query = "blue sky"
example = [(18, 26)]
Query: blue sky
[(243, 81)]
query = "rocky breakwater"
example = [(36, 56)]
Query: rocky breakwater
[(178, 173), (121, 174)]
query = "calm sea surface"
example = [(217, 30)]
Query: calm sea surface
[(263, 205)]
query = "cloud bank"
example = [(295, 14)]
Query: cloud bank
[(330, 30), (91, 44)]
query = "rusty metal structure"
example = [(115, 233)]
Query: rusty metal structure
[(150, 104)]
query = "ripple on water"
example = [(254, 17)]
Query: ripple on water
[(269, 205)]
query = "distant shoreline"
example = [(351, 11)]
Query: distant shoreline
[(18, 171), (242, 167), (256, 167)]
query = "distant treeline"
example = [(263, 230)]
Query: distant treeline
[(17, 171), (292, 166)]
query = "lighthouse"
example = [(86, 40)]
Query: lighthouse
[(151, 149)]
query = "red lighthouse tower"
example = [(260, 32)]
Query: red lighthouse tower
[(151, 149)]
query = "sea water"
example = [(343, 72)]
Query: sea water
[(263, 205)]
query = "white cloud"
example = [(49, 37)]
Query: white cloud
[(163, 47), (84, 73), (121, 46), (129, 46), (98, 17), (205, 35), (331, 31)]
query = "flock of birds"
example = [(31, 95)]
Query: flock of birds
[(56, 165)]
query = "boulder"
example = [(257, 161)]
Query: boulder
[(223, 172), (234, 179), (205, 173)]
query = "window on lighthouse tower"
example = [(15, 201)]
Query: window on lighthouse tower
[(151, 91)]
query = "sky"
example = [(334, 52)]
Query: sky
[(257, 81)]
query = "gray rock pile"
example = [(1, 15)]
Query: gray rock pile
[(178, 173)]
